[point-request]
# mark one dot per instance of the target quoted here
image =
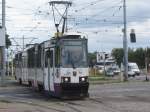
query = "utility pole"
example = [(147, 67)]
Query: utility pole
[(146, 64), (7, 63), (3, 47), (23, 43), (12, 64), (125, 43)]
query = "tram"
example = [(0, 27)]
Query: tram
[(58, 66)]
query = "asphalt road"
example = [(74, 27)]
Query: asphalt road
[(121, 97)]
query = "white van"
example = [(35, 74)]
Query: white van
[(133, 69)]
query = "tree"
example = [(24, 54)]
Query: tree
[(131, 55), (117, 53), (91, 59), (140, 57), (137, 56)]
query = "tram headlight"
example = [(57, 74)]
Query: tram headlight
[(65, 79), (83, 79)]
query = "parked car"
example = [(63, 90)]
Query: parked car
[(100, 66), (112, 71), (133, 69)]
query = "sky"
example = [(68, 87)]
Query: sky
[(100, 20)]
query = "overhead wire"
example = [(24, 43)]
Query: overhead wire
[(105, 20), (88, 4), (108, 8)]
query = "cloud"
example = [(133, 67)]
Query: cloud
[(102, 21)]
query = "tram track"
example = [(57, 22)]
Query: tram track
[(25, 101), (107, 105), (31, 104), (70, 105), (73, 108), (30, 101), (24, 97)]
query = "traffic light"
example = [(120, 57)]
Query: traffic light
[(132, 36)]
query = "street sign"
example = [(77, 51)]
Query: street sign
[(100, 56), (2, 37)]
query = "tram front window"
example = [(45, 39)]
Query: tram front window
[(74, 56)]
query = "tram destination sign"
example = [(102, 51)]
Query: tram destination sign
[(73, 43)]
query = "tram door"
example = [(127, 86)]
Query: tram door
[(51, 69)]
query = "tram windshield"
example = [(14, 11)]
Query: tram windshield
[(74, 54)]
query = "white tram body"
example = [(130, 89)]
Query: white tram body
[(59, 66)]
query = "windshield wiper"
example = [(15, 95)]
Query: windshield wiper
[(70, 60), (73, 65)]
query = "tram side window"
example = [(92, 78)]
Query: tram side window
[(39, 57), (51, 59), (57, 55), (49, 55), (46, 59), (16, 61), (31, 59), (20, 60)]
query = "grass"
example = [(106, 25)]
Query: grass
[(105, 82), (10, 77), (4, 101), (98, 78), (102, 79)]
